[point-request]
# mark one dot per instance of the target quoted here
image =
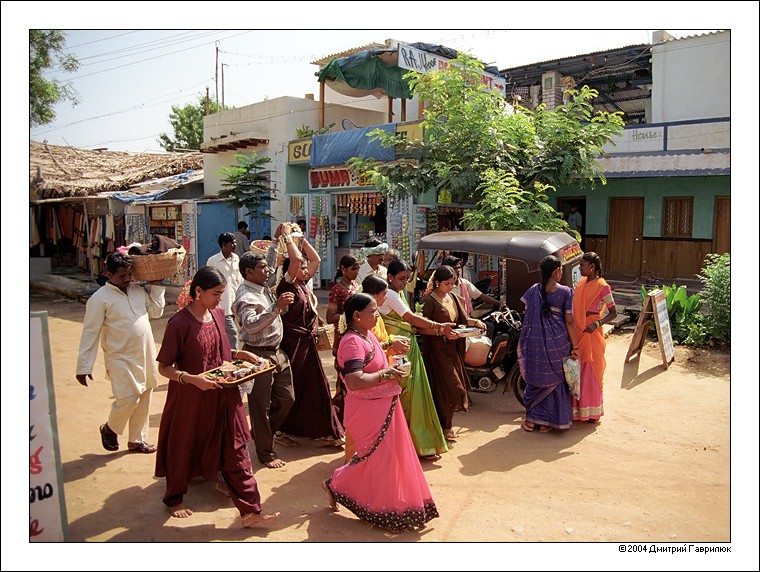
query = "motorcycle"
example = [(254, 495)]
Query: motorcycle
[(501, 363)]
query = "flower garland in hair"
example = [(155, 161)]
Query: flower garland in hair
[(184, 297)]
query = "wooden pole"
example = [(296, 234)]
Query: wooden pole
[(321, 104), (390, 109), (87, 232), (403, 109)]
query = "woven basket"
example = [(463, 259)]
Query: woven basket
[(150, 267)]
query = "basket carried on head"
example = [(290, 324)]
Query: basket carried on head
[(150, 267)]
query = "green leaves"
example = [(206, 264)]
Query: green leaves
[(716, 277), (246, 184), (479, 148), (46, 51), (187, 122)]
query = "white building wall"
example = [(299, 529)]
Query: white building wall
[(691, 78), (275, 120)]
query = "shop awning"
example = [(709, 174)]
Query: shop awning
[(337, 148)]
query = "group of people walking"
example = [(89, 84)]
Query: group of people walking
[(389, 417)]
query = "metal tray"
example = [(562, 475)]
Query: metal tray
[(241, 364), (468, 332)]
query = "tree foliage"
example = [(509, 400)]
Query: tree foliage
[(46, 50), (247, 184), (187, 123), (716, 277), (478, 147)]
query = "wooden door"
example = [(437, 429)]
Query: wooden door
[(722, 225), (625, 243)]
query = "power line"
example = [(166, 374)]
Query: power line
[(102, 39), (135, 107), (153, 58)]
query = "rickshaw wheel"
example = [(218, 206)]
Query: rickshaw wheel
[(517, 382)]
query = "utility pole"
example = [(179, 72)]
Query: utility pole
[(228, 65), (207, 100), (216, 75)]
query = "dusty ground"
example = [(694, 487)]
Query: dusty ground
[(656, 469)]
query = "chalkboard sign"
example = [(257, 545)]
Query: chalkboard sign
[(655, 307), (47, 506)]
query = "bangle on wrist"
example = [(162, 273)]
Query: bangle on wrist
[(180, 376)]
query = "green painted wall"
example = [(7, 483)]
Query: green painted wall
[(654, 190), (296, 179)]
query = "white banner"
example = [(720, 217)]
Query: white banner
[(423, 62)]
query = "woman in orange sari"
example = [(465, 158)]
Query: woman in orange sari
[(592, 295)]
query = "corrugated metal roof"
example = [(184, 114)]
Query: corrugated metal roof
[(622, 76)]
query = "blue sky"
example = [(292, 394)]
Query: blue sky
[(129, 79)]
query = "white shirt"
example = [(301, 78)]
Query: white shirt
[(229, 267), (393, 302), (365, 270), (122, 324)]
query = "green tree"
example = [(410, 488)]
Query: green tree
[(478, 147), (247, 184), (46, 51), (187, 123)]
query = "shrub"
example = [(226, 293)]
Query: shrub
[(686, 324), (716, 277)]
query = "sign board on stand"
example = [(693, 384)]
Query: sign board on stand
[(654, 307), (47, 506)]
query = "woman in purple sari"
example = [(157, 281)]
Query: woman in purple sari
[(383, 483), (547, 336)]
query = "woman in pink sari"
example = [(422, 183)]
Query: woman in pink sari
[(383, 483), (592, 295)]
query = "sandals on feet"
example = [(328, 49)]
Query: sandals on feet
[(544, 429), (141, 447), (333, 504), (108, 438), (528, 426)]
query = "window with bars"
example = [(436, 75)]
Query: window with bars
[(677, 217)]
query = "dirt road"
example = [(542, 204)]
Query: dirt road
[(655, 470)]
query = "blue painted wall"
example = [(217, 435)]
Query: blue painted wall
[(213, 219)]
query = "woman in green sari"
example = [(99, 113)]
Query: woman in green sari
[(416, 397)]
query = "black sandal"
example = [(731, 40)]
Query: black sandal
[(108, 438)]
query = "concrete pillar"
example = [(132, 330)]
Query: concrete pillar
[(551, 89)]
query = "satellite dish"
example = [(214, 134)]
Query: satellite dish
[(348, 125)]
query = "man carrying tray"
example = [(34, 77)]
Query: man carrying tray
[(258, 313)]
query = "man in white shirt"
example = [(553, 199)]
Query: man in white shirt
[(372, 254), (227, 262), (118, 316)]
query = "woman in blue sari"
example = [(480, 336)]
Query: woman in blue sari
[(548, 335)]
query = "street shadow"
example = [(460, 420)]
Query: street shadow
[(519, 447), (136, 514), (631, 377), (303, 504), (87, 464)]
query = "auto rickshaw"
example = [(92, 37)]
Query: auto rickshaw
[(516, 257)]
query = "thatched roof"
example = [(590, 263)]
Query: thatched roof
[(56, 171)]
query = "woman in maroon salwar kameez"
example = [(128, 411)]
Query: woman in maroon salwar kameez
[(204, 430)]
